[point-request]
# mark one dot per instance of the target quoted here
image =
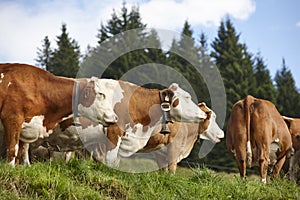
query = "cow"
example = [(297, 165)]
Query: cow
[(139, 113), (33, 101), (293, 164), (179, 143), (257, 134), (171, 148)]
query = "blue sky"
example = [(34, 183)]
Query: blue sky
[(266, 26)]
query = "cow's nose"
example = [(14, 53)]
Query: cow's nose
[(116, 118)]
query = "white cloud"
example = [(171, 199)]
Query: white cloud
[(24, 26), (171, 14), (298, 24)]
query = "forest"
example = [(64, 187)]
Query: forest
[(242, 72)]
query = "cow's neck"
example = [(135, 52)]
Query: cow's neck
[(139, 105), (61, 102)]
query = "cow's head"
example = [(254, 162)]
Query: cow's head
[(183, 109), (209, 129), (96, 100)]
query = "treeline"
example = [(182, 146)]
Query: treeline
[(243, 72)]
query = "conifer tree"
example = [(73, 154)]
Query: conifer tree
[(65, 59), (234, 62), (44, 54), (188, 60), (288, 98), (114, 41), (264, 87)]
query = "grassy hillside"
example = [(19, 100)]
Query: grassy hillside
[(81, 179)]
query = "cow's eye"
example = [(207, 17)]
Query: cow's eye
[(101, 96)]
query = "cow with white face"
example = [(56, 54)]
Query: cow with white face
[(209, 129), (139, 113), (34, 101), (170, 149)]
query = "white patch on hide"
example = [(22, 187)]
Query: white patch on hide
[(134, 141), (16, 150), (12, 162), (33, 130), (112, 158), (186, 110), (92, 135)]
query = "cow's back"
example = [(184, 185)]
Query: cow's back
[(20, 83)]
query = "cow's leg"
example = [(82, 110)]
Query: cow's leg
[(278, 167), (241, 161), (263, 163), (161, 160), (173, 156), (173, 167), (68, 156), (12, 127), (24, 153)]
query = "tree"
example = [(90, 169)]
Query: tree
[(288, 98), (65, 60), (234, 62), (185, 57), (264, 87), (44, 54), (120, 50)]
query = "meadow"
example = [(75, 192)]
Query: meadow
[(84, 179)]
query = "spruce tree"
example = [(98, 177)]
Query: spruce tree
[(65, 60), (236, 68), (185, 57), (124, 32), (264, 87), (234, 62), (44, 54), (288, 98)]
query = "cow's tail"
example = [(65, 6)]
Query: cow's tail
[(247, 103)]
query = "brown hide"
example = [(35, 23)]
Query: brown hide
[(292, 164), (27, 91), (139, 105), (265, 126)]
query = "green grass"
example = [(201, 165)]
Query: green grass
[(82, 179)]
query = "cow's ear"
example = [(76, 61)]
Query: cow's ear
[(288, 121), (205, 109), (174, 86)]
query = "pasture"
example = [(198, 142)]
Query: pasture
[(83, 179)]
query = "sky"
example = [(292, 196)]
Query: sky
[(268, 27)]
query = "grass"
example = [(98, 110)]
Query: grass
[(82, 179)]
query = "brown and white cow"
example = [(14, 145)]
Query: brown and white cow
[(139, 112), (33, 101), (257, 134), (179, 143), (293, 163), (171, 148)]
